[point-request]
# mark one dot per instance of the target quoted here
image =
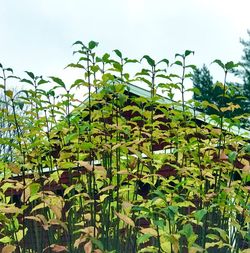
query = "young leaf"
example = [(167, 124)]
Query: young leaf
[(177, 63), (150, 61), (105, 57), (58, 81), (200, 214), (26, 81), (230, 65), (191, 66), (188, 52), (5, 240), (232, 156), (95, 68), (164, 60), (118, 53), (93, 44), (187, 230), (130, 60), (219, 62), (143, 238), (179, 55), (10, 70), (42, 82), (78, 43), (30, 74), (73, 65)]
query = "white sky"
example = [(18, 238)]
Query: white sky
[(37, 35)]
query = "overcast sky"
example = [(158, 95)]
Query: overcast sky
[(37, 35)]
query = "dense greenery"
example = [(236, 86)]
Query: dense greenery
[(203, 82), (118, 172), (237, 93), (245, 73)]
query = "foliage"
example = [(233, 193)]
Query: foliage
[(206, 90), (245, 73), (119, 172)]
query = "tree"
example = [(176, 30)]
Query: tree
[(205, 89), (203, 80), (212, 94), (245, 73)]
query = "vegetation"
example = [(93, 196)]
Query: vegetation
[(237, 93), (118, 172), (206, 91), (245, 73)]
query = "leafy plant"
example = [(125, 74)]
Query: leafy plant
[(121, 171)]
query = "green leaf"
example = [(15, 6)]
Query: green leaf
[(51, 93), (179, 63), (164, 60), (98, 243), (150, 61), (188, 52), (191, 66), (232, 156), (93, 44), (30, 74), (219, 62), (140, 209), (179, 55), (130, 60), (230, 65), (5, 239), (105, 58), (247, 148), (26, 81), (165, 77), (118, 53), (117, 66), (34, 188), (200, 214), (20, 234), (187, 230), (95, 68), (78, 43), (42, 82), (10, 70), (20, 104), (223, 234), (143, 238), (145, 81), (186, 203), (58, 81), (195, 90), (75, 65), (160, 194)]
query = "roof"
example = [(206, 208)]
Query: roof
[(208, 119), (198, 114)]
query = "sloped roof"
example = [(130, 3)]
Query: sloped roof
[(199, 115), (139, 91)]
